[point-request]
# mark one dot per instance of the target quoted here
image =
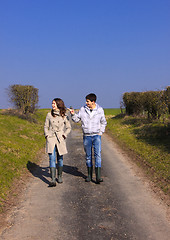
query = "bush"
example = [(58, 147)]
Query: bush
[(154, 103), (167, 97), (133, 103), (24, 97)]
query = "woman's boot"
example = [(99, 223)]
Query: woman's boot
[(53, 177), (60, 169), (90, 174), (98, 175)]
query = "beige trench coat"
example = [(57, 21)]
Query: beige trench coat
[(54, 129)]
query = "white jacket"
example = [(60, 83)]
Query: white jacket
[(93, 122)]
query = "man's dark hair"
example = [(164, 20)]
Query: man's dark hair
[(92, 97)]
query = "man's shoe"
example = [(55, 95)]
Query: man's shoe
[(90, 174), (98, 175)]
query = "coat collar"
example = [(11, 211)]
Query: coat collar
[(87, 109), (56, 112)]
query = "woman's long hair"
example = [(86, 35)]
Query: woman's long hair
[(61, 106)]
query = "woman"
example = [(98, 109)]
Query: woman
[(56, 129)]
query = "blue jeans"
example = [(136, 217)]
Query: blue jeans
[(52, 158), (92, 142)]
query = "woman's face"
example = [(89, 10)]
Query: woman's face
[(54, 105)]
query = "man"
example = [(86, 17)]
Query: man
[(93, 125)]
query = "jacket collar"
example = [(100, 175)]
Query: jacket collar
[(88, 109), (56, 112)]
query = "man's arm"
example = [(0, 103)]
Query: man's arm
[(103, 122), (74, 116)]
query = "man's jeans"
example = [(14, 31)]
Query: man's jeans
[(52, 158), (95, 143)]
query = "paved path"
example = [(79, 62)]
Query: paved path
[(120, 208)]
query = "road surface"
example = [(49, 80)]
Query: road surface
[(122, 207)]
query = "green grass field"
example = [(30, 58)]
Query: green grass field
[(150, 142), (112, 111), (19, 144)]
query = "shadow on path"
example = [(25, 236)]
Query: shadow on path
[(43, 172), (39, 172), (73, 171)]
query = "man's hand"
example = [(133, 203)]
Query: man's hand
[(71, 110)]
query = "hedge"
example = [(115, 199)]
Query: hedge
[(155, 104)]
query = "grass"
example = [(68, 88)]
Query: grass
[(20, 142), (150, 142), (112, 111)]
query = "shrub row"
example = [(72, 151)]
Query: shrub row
[(153, 103)]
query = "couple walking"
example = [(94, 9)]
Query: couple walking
[(57, 127)]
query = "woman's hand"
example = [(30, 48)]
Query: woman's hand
[(64, 136)]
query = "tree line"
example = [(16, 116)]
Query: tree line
[(155, 104)]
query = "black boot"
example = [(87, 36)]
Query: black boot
[(90, 174), (98, 175), (53, 177), (60, 169)]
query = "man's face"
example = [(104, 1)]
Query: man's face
[(90, 104)]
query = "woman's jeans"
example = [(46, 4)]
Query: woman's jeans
[(92, 142), (52, 158)]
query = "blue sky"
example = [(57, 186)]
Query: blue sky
[(69, 48)]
